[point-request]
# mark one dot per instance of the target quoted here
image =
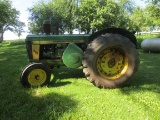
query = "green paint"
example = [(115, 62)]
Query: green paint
[(72, 56), (56, 37)]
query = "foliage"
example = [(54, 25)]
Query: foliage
[(9, 17), (84, 15), (105, 14), (153, 2), (126, 8), (37, 16), (69, 96), (138, 18), (19, 29), (153, 14), (93, 15), (59, 12)]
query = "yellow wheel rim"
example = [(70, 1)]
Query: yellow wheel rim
[(37, 77), (112, 63)]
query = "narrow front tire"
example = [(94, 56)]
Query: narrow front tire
[(35, 74)]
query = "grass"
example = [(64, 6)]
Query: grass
[(69, 96)]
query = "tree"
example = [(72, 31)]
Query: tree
[(97, 14), (139, 19), (4, 6), (9, 17), (86, 15), (100, 14), (153, 2), (38, 13), (59, 12), (153, 14), (153, 11), (19, 29)]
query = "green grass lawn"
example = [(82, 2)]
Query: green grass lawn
[(69, 96)]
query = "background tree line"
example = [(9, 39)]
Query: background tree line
[(93, 15)]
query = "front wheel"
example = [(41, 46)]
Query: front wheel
[(36, 74), (110, 61)]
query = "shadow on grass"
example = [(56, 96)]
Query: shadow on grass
[(25, 106), (63, 73), (147, 76)]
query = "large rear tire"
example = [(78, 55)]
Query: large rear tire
[(35, 74), (110, 61)]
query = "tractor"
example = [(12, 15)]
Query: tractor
[(109, 57)]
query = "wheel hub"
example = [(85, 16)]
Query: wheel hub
[(112, 63), (37, 77)]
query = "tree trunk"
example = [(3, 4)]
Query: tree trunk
[(1, 37)]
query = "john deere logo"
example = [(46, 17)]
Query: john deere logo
[(35, 52)]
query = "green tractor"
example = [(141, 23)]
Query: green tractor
[(109, 57)]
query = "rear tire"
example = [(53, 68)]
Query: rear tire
[(110, 61), (36, 74)]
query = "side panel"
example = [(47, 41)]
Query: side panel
[(35, 51)]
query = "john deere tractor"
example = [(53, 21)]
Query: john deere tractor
[(109, 57)]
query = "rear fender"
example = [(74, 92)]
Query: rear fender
[(120, 31)]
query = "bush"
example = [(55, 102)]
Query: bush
[(17, 42)]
